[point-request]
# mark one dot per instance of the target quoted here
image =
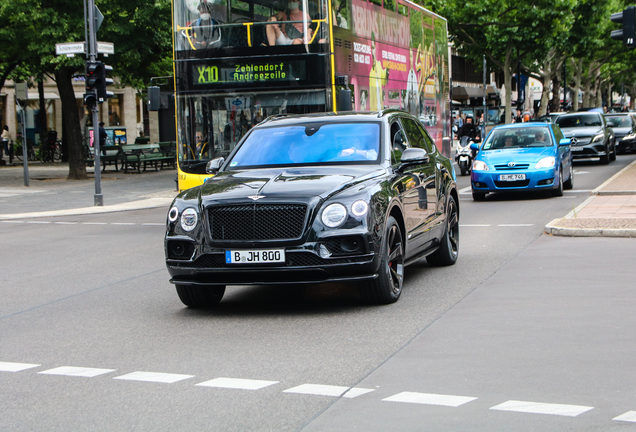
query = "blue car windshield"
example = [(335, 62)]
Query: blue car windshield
[(310, 144), (506, 138)]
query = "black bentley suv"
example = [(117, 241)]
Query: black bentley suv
[(316, 198), (591, 135)]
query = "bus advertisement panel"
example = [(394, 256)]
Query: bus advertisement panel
[(398, 59)]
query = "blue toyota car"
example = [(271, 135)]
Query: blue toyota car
[(521, 157)]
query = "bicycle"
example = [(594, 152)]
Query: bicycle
[(18, 149)]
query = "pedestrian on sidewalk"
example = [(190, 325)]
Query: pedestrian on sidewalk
[(5, 141)]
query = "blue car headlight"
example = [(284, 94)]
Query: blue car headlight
[(546, 162), (480, 166)]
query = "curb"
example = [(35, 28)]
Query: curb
[(552, 229), (129, 206)]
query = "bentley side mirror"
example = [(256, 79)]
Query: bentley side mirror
[(214, 165), (565, 141), (414, 156)]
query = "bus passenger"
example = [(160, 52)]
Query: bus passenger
[(290, 34), (204, 29)]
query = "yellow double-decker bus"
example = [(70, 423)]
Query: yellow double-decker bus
[(237, 62)]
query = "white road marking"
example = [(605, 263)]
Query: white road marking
[(577, 190), (465, 191), (77, 371), (629, 416), (542, 408), (154, 377), (236, 383), (15, 367), (318, 389), (65, 223), (39, 222), (94, 223), (12, 221), (515, 225), (355, 392), (123, 223), (430, 399), (475, 225), (581, 172)]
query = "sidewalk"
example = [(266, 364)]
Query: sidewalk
[(50, 194), (609, 212)]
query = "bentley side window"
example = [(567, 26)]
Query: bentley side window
[(398, 143)]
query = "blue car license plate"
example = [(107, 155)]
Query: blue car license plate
[(512, 177), (255, 256)]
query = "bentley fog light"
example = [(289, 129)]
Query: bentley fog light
[(480, 166), (173, 214), (189, 219), (359, 208), (334, 215), (547, 162)]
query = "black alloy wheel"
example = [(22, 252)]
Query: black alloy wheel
[(449, 245), (559, 189), (387, 287), (197, 296), (605, 159), (613, 155)]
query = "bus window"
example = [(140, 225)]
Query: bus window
[(341, 15), (389, 5)]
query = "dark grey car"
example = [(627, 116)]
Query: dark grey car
[(591, 136), (624, 126)]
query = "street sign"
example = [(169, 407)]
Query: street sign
[(98, 19), (21, 91), (69, 48), (105, 48)]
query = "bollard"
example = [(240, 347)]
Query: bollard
[(11, 152)]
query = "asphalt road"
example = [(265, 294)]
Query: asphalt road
[(90, 295)]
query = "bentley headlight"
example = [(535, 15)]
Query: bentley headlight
[(189, 219), (173, 214), (359, 208), (480, 166), (334, 215), (598, 138), (547, 162)]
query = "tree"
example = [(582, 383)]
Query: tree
[(505, 31)]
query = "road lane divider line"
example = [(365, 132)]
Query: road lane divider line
[(475, 225), (16, 367), (318, 390), (430, 399), (629, 416), (77, 371), (166, 378), (515, 225), (542, 408), (237, 383)]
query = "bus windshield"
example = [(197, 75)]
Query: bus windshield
[(310, 144), (202, 25), (213, 124)]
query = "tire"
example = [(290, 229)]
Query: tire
[(479, 196), (464, 171), (559, 190), (604, 160), (387, 287), (449, 248), (613, 154), (200, 296), (57, 155), (569, 184)]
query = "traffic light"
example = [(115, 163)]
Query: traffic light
[(102, 93), (628, 33), (96, 81)]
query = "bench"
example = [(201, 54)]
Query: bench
[(110, 154), (156, 155)]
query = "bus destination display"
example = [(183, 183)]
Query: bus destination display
[(248, 72)]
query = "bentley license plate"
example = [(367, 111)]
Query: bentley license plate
[(512, 177), (255, 256)]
